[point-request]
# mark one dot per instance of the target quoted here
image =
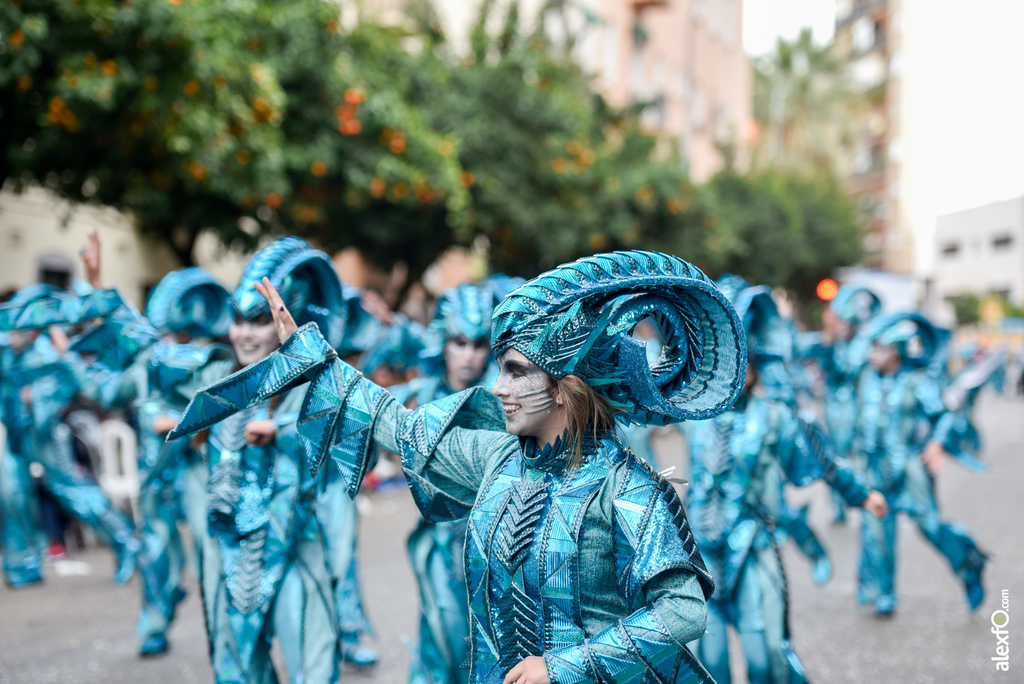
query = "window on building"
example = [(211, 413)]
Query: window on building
[(950, 250), (56, 270), (1002, 242)]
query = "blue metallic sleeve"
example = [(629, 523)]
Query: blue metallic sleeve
[(639, 644), (807, 455)]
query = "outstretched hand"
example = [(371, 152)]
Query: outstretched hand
[(876, 505), (284, 324), (90, 253)]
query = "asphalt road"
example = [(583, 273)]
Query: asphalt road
[(79, 629)]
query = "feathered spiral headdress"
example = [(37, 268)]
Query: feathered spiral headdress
[(856, 304), (577, 319), (918, 341), (190, 300), (306, 280), (768, 335)]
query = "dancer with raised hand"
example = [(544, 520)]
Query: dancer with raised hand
[(187, 310), (38, 380), (580, 561), (904, 435), (265, 572)]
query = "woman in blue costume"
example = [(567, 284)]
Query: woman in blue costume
[(842, 355), (185, 308), (904, 434), (461, 358), (264, 568), (579, 559), (37, 382), (739, 463)]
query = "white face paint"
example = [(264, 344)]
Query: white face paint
[(465, 361), (885, 358), (528, 395), (253, 339)]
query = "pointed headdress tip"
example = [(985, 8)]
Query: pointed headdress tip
[(306, 280), (578, 319)]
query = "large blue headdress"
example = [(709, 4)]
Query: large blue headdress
[(40, 305), (856, 304), (465, 311), (768, 335), (577, 319), (918, 341), (462, 311), (190, 300), (305, 278)]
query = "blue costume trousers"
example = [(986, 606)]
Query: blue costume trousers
[(339, 521), (436, 553), (756, 608), (175, 494), (77, 494), (877, 572)]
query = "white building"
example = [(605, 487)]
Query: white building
[(979, 251), (40, 235)]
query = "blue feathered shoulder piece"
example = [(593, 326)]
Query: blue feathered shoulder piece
[(306, 280), (577, 319), (190, 300), (41, 305)]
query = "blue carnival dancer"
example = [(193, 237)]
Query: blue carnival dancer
[(739, 463), (903, 436), (779, 379), (37, 382), (459, 359), (264, 568), (842, 354), (186, 308), (579, 559)]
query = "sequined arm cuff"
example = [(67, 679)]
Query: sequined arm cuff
[(620, 652), (337, 413)]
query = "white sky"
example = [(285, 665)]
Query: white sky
[(964, 99), (765, 20)]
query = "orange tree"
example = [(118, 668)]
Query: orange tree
[(195, 114)]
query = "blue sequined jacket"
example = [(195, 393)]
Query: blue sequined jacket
[(592, 567), (897, 416), (739, 464)]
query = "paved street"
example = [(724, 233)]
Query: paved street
[(78, 628)]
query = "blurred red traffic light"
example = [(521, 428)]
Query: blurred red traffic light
[(827, 289)]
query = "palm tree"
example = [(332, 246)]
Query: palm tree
[(806, 108)]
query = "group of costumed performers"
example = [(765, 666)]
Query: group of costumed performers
[(39, 378), (550, 548)]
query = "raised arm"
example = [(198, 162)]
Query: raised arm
[(344, 414)]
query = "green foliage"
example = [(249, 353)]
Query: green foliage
[(966, 308), (195, 114), (806, 109), (782, 229), (209, 115)]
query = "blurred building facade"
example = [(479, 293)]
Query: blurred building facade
[(40, 235), (870, 38), (979, 251), (683, 56)]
